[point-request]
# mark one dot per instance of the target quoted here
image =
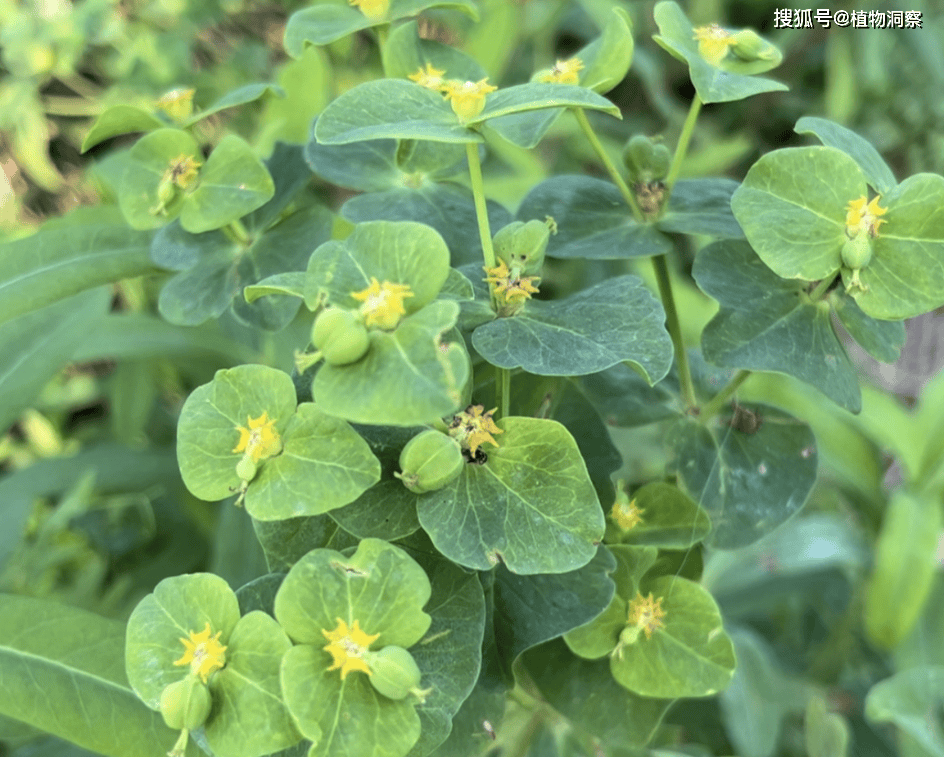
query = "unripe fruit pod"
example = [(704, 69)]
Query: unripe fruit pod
[(340, 335), (857, 252), (430, 461), (523, 245), (246, 468), (749, 46), (393, 672), (645, 160), (185, 704)]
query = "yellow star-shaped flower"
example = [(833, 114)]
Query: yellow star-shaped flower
[(260, 440), (474, 427), (204, 653), (646, 613), (347, 646), (625, 514), (862, 216), (383, 303), (713, 43), (429, 77), (178, 104), (509, 284), (563, 72), (467, 97), (183, 170)]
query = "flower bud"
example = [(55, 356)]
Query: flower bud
[(340, 335), (522, 245), (430, 461), (185, 704), (750, 46), (393, 672), (645, 160)]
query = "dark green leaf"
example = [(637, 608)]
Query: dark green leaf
[(286, 541), (120, 119), (876, 170), (240, 96), (883, 340), (702, 206)]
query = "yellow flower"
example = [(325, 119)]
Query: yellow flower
[(510, 284), (373, 9), (646, 614), (204, 653), (260, 440), (178, 104), (473, 427), (429, 77), (182, 170), (626, 515), (864, 217), (383, 303), (564, 72), (347, 647), (713, 43), (467, 97)]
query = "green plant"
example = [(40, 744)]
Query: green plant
[(431, 422)]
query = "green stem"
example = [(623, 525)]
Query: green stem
[(682, 147), (820, 289), (594, 141), (481, 210), (661, 267), (237, 232), (383, 31), (502, 390), (713, 406)]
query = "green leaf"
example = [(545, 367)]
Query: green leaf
[(289, 173), (233, 182), (592, 219), (586, 693), (368, 166), (539, 96), (251, 718), (405, 53), (713, 84), (407, 364), (689, 656), (50, 652), (325, 464), (286, 541), (670, 519), (883, 340), (615, 321), (905, 559), (391, 109), (529, 609), (792, 207), (531, 505), (624, 398), (178, 607), (148, 163), (607, 59), (240, 96), (87, 248), (827, 733), (911, 700), (701, 206), (876, 170), (906, 275), (291, 284), (120, 119), (749, 480), (768, 323)]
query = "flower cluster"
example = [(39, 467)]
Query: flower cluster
[(713, 43), (563, 72), (864, 217), (260, 440), (178, 104), (472, 428), (625, 514), (466, 97), (646, 614), (383, 303), (511, 288)]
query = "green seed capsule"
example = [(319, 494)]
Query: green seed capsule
[(749, 46), (185, 704), (646, 160), (393, 672), (857, 252), (523, 245), (246, 468), (430, 461), (340, 335)]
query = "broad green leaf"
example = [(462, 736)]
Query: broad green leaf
[(883, 340), (826, 733), (447, 208), (87, 248), (792, 207), (233, 182), (906, 275), (325, 464), (670, 519), (63, 673), (120, 119), (37, 344), (624, 398), (291, 284), (911, 700), (178, 607), (538, 96), (391, 109), (531, 505), (701, 206), (406, 53), (286, 541), (768, 323), (290, 174), (251, 718), (751, 473), (592, 219), (607, 59), (524, 129), (149, 162), (905, 560), (587, 695), (689, 656), (615, 321), (405, 379), (240, 96), (368, 166), (529, 610), (731, 79), (876, 170)]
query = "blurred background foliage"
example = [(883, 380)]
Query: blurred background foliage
[(93, 508)]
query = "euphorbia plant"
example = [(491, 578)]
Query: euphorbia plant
[(431, 476)]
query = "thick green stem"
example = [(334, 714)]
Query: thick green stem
[(502, 390), (713, 406), (237, 232), (661, 266), (682, 147), (820, 289), (595, 143)]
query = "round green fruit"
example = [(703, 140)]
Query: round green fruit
[(393, 672), (185, 704), (646, 160), (430, 461), (340, 335), (857, 252)]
